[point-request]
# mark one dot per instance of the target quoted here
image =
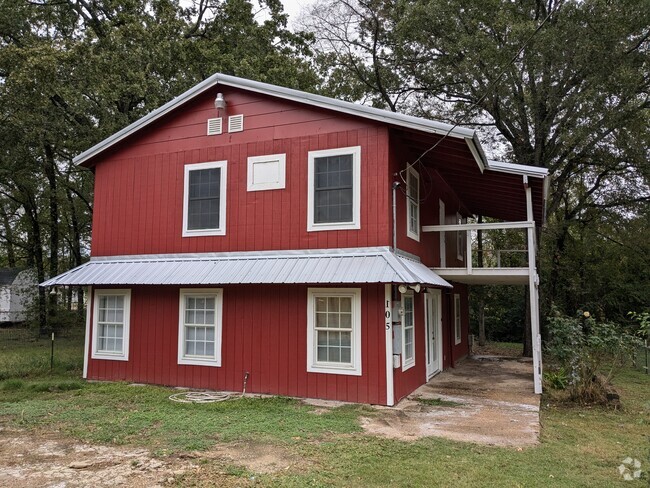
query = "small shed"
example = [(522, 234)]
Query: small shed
[(18, 287)]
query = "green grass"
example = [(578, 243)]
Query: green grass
[(580, 447), (30, 358)]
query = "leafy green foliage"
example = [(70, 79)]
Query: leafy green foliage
[(590, 352)]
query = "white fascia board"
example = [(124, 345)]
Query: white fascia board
[(517, 169), (355, 109)]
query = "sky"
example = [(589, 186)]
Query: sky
[(293, 7)]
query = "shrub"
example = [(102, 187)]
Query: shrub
[(590, 352)]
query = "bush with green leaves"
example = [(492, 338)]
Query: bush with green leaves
[(590, 352)]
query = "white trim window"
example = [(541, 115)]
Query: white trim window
[(266, 172), (111, 318), (199, 326), (458, 328), (334, 189), (204, 199), (460, 238), (408, 330), (334, 330), (412, 204)]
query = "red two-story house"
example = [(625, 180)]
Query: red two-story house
[(314, 247)]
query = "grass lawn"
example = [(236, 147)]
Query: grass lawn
[(579, 447)]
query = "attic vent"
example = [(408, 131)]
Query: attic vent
[(236, 123), (214, 127)]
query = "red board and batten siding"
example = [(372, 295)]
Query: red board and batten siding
[(139, 187), (264, 333)]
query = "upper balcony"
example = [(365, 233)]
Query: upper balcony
[(506, 254)]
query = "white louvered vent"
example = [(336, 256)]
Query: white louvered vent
[(215, 127), (236, 123)]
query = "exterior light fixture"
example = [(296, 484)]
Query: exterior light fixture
[(220, 102), (417, 288), (402, 288)]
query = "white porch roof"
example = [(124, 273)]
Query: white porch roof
[(322, 266)]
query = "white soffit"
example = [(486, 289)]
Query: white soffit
[(331, 266)]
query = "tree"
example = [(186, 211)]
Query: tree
[(563, 83), (73, 72)]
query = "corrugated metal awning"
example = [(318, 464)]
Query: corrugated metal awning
[(325, 266)]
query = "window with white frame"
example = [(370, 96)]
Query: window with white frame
[(111, 314), (413, 204), (408, 331), (334, 189), (266, 172), (457, 321), (199, 328), (460, 238), (334, 330), (204, 199)]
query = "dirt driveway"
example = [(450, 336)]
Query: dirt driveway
[(487, 400), (50, 460)]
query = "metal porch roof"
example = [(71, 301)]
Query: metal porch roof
[(327, 266)]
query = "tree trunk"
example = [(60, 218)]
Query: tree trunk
[(75, 248), (50, 174), (9, 238)]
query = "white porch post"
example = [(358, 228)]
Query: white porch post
[(533, 293)]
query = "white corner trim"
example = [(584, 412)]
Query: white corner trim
[(126, 331), (276, 163), (221, 230), (356, 189), (313, 366), (89, 304), (217, 294)]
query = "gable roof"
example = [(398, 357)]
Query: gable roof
[(8, 275), (429, 126)]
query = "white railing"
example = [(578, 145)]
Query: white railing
[(498, 259)]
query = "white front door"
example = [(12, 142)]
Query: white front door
[(433, 326)]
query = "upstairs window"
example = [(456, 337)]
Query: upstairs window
[(204, 199), (334, 189), (460, 238), (413, 204)]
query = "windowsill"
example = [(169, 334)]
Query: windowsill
[(199, 362), (334, 226), (406, 366), (415, 237), (328, 369), (109, 356), (456, 342), (204, 232)]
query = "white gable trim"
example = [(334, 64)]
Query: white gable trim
[(385, 116)]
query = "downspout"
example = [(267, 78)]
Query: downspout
[(395, 186)]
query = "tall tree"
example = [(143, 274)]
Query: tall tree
[(564, 84), (73, 72)]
